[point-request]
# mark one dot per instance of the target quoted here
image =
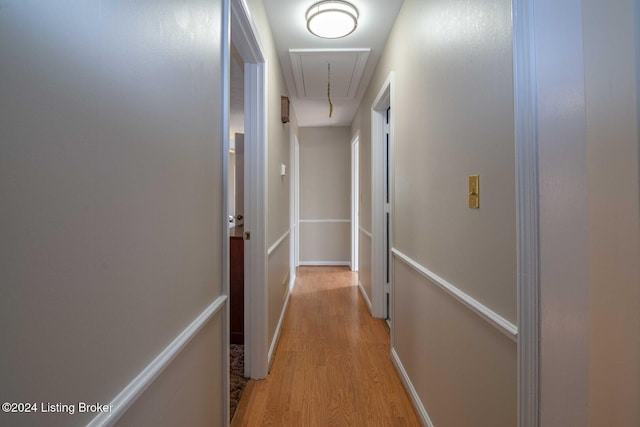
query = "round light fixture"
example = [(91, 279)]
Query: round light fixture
[(332, 19)]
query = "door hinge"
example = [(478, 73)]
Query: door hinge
[(387, 288)]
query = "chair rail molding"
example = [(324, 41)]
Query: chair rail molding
[(151, 372), (493, 318)]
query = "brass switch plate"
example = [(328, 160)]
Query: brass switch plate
[(474, 191)]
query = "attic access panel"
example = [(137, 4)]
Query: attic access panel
[(311, 76)]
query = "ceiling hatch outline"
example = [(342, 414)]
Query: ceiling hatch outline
[(311, 75)]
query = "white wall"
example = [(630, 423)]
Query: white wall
[(111, 189), (453, 117), (325, 196)]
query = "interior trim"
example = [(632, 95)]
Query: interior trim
[(324, 220), (527, 212), (411, 391), (278, 242), (123, 401), (226, 113), (379, 208), (365, 297), (245, 36), (366, 233), (493, 318), (278, 331), (327, 263)]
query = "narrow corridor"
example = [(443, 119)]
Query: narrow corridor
[(332, 366)]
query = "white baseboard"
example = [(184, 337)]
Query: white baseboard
[(137, 387), (365, 297), (325, 263), (276, 335), (413, 394), (292, 281), (324, 221)]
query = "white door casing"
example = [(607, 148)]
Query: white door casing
[(244, 35), (382, 102), (355, 201)]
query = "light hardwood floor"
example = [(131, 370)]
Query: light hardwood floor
[(332, 366)]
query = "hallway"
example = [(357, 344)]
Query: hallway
[(332, 365)]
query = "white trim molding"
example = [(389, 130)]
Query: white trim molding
[(355, 200), (292, 201), (277, 243), (320, 221), (527, 213), (327, 263), (226, 112), (493, 318), (296, 217), (292, 280), (365, 232), (411, 391), (383, 100), (276, 335), (137, 387), (244, 35), (365, 297)]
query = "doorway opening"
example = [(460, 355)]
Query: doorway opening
[(250, 55), (295, 204), (382, 201), (235, 199), (235, 211)]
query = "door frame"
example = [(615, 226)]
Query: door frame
[(244, 35), (226, 111), (293, 205), (527, 212), (379, 107), (355, 200), (296, 202)]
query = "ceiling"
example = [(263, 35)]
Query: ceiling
[(304, 58)]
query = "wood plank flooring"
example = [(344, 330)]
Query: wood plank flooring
[(332, 366)]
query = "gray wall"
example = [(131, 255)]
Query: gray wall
[(110, 189), (614, 211), (453, 117), (587, 81), (325, 195)]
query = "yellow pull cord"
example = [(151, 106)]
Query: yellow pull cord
[(329, 89)]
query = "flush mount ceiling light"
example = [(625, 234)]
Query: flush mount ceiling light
[(332, 19)]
